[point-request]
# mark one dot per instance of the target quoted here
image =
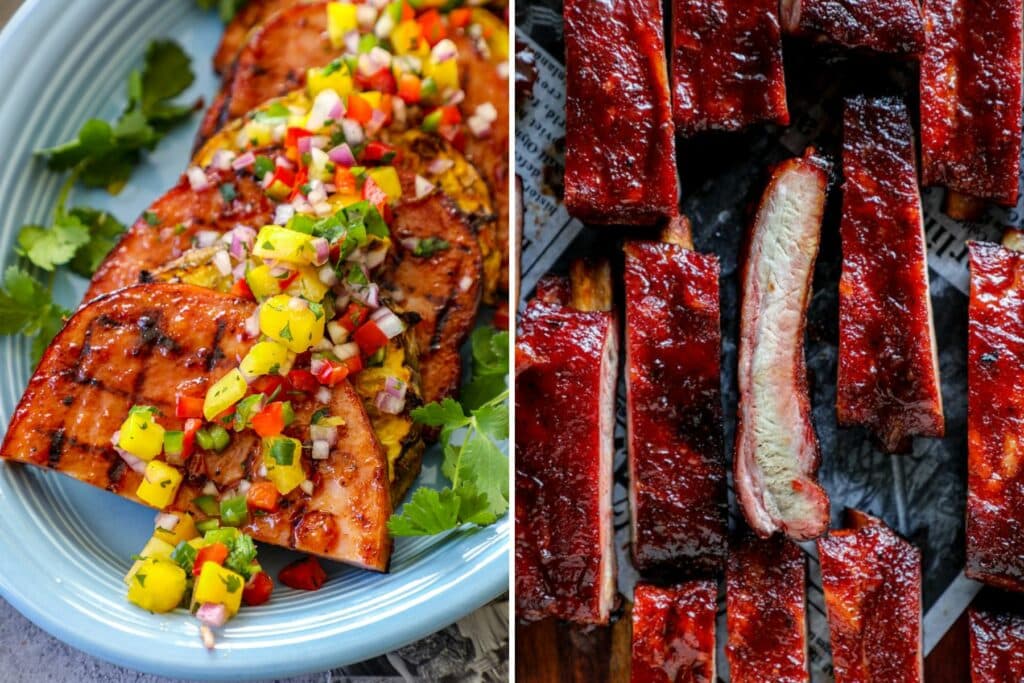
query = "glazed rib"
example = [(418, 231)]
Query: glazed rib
[(144, 345), (674, 412), (765, 611), (888, 366), (872, 583), (565, 416), (997, 642), (726, 65), (620, 144), (971, 97), (674, 633), (995, 391), (887, 26), (777, 454)]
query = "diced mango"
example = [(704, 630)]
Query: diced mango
[(158, 585), (294, 322), (184, 530), (387, 178), (341, 18), (445, 74), (140, 434), (407, 38), (282, 456), (155, 548), (256, 134), (218, 585), (281, 244), (372, 97), (262, 282), (224, 393), (308, 285), (331, 77), (266, 358), (159, 484)]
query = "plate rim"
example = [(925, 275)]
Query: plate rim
[(467, 593)]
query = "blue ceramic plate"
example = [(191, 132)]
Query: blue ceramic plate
[(65, 546)]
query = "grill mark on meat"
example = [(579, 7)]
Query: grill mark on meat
[(57, 439), (216, 354), (115, 473)]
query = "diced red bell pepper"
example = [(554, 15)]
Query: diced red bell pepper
[(281, 183), (304, 575), (409, 86), (258, 590), (294, 134), (432, 27), (382, 81), (270, 420), (373, 193), (287, 281), (241, 289), (354, 316), (450, 115), (370, 338), (359, 109), (188, 406), (188, 441), (215, 552), (460, 17), (331, 373), (380, 152), (407, 11), (301, 178), (303, 380), (263, 495), (269, 384)]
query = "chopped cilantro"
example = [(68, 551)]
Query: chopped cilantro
[(430, 246), (151, 218), (228, 192)]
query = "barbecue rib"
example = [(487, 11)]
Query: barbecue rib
[(145, 345), (997, 642), (674, 633), (995, 387), (620, 145), (726, 65), (888, 368), (888, 26), (872, 583), (971, 97), (677, 468), (777, 453), (565, 416), (765, 611)]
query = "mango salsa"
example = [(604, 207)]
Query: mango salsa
[(282, 456), (159, 484), (140, 434), (155, 548), (282, 244), (158, 585), (294, 322), (266, 358), (218, 585), (184, 530), (224, 393)]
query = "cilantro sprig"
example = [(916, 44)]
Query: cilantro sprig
[(471, 436), (27, 307)]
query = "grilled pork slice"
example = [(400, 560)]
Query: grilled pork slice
[(765, 596), (995, 387), (872, 583), (888, 26), (248, 17), (971, 97), (888, 367), (674, 633), (620, 144), (144, 345), (726, 65), (777, 454), (565, 418), (674, 412), (997, 640)]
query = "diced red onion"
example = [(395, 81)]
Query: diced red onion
[(330, 188), (222, 159), (327, 275), (210, 489), (352, 130), (212, 614), (391, 325), (244, 486), (133, 462), (388, 403), (277, 270), (238, 272), (326, 433), (368, 295), (439, 166), (323, 395), (262, 471), (283, 213), (165, 521), (478, 126), (384, 26), (321, 449), (301, 205), (323, 208), (323, 105), (244, 161), (444, 51), (423, 186), (380, 313), (346, 351), (222, 261), (342, 154), (395, 387), (318, 141), (206, 238), (352, 37), (307, 487), (242, 239), (197, 179), (252, 325), (303, 144), (283, 162), (323, 345), (317, 364), (376, 257), (377, 119), (337, 111), (455, 98), (337, 332), (322, 250)]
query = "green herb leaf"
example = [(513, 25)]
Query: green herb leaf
[(26, 308), (54, 246), (428, 512), (429, 246)]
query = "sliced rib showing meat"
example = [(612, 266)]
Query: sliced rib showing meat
[(726, 65), (765, 611), (995, 417), (249, 16), (997, 641), (443, 288), (888, 26), (888, 367), (565, 416), (971, 97), (674, 633), (673, 389), (872, 583), (144, 345), (777, 454), (620, 145)]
